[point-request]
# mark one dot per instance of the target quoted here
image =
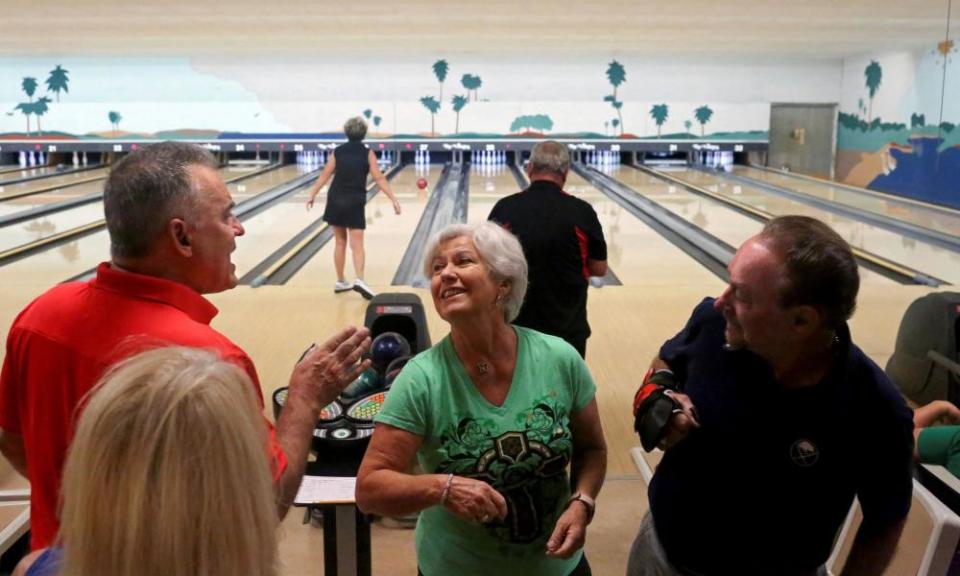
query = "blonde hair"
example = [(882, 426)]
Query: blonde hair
[(168, 473)]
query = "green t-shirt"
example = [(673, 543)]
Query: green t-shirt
[(521, 448)]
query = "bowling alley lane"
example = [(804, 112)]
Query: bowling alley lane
[(16, 172), (56, 265), (926, 258), (633, 248), (488, 184), (44, 226), (267, 231), (708, 214), (927, 215), (58, 180), (385, 240)]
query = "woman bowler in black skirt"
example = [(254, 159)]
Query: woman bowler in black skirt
[(349, 165)]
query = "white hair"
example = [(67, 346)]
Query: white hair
[(500, 251)]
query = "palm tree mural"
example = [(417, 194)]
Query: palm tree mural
[(367, 113), (39, 109), (471, 83), (659, 113), (440, 69), (615, 122), (458, 103), (27, 109), (376, 121), (540, 122), (29, 86), (606, 127), (617, 75), (873, 75), (58, 81), (687, 125), (431, 104), (115, 119), (703, 115)]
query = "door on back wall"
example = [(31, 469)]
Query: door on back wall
[(803, 138)]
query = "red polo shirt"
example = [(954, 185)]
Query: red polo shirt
[(62, 343)]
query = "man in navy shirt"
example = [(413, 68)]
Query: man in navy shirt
[(772, 421), (563, 243)]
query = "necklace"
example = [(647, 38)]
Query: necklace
[(483, 367)]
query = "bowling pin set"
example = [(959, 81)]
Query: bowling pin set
[(602, 158), (312, 158), (31, 159), (716, 159)]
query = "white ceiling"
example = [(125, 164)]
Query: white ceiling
[(754, 28)]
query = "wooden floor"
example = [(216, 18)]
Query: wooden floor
[(660, 287)]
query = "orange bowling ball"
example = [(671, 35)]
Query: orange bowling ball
[(422, 183)]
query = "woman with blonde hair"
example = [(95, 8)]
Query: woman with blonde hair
[(167, 475)]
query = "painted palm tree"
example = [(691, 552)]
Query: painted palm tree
[(367, 113), (58, 81), (659, 113), (29, 86), (440, 69), (458, 103), (376, 121), (431, 104), (472, 83), (39, 109), (606, 127), (703, 115), (115, 119), (617, 75), (615, 123), (687, 125), (873, 75), (27, 109)]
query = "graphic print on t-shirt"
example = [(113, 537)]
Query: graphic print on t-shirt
[(526, 465)]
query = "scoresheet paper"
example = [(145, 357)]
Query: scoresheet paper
[(326, 490)]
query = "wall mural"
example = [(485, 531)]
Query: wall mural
[(897, 126), (180, 98)]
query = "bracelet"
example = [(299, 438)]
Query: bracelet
[(446, 490)]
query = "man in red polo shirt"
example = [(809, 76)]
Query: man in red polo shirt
[(172, 230)]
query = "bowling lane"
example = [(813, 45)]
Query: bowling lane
[(710, 215), (488, 184), (932, 217), (633, 248), (939, 262), (59, 180), (15, 172), (268, 230), (56, 265), (386, 238), (45, 226)]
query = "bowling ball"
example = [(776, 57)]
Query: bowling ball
[(422, 183), (386, 348), (393, 370), (366, 383)]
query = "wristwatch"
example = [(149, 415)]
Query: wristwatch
[(589, 502)]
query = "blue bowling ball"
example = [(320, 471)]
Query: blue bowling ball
[(386, 348)]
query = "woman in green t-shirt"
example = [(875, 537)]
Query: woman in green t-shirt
[(495, 414)]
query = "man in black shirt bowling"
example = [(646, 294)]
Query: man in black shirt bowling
[(563, 242)]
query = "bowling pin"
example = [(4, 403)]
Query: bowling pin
[(31, 159), (41, 159), (22, 160), (76, 159), (83, 159)]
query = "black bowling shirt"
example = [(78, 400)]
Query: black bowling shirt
[(559, 233)]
